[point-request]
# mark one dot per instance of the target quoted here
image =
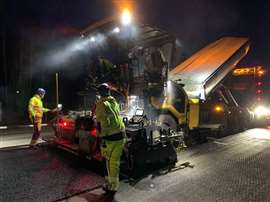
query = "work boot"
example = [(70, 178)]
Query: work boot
[(105, 188), (40, 140), (109, 195)]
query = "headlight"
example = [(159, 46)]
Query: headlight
[(261, 111)]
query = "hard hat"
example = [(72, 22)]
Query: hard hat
[(104, 89), (41, 91)]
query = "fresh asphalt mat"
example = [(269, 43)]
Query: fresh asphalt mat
[(44, 174)]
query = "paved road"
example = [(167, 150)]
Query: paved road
[(45, 174), (20, 136), (234, 168)]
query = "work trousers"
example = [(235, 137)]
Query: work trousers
[(112, 151), (36, 130)]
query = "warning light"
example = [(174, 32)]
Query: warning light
[(259, 92), (93, 132), (64, 123), (259, 83), (218, 109), (260, 72)]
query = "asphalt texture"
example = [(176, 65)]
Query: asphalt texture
[(233, 168), (44, 174), (20, 136)]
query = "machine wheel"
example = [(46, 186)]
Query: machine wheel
[(221, 132), (167, 121), (226, 127)]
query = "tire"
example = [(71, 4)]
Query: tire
[(226, 128)]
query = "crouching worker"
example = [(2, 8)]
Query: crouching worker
[(112, 133), (36, 110)]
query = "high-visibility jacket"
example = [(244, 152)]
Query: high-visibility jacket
[(108, 115), (35, 107)]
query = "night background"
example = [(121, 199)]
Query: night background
[(31, 32)]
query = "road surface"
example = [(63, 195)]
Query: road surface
[(233, 168)]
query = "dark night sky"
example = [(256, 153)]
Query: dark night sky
[(195, 22)]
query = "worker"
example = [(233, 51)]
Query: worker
[(111, 130), (36, 110)]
